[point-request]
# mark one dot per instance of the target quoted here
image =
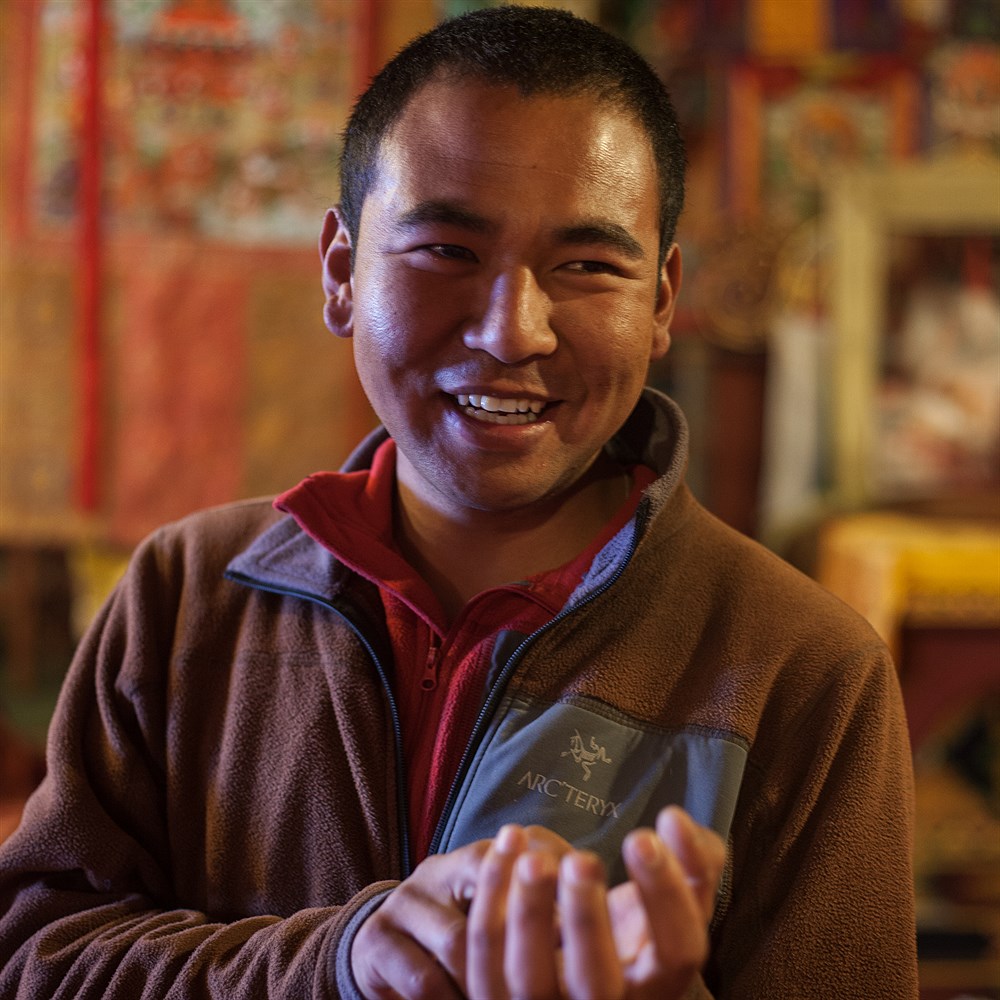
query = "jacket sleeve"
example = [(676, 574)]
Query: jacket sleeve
[(821, 897), (88, 903)]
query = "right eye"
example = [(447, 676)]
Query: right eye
[(448, 251)]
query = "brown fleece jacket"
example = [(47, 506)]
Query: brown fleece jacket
[(223, 801)]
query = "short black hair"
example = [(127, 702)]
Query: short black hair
[(539, 50)]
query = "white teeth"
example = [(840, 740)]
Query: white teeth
[(495, 404), (496, 410)]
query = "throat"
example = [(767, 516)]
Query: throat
[(460, 558)]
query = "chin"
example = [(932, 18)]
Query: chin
[(508, 499)]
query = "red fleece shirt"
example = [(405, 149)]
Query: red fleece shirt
[(440, 671)]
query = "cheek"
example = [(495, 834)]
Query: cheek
[(407, 315), (376, 360), (377, 326), (616, 357), (387, 349)]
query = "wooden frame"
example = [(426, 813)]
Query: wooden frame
[(864, 208)]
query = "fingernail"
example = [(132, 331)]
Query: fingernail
[(647, 845), (507, 837), (672, 827), (582, 868)]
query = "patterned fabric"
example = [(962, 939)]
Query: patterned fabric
[(221, 123)]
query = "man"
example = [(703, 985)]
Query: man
[(388, 738)]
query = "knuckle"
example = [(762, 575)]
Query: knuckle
[(690, 953), (674, 976), (427, 868), (543, 835), (477, 848), (713, 846), (718, 854), (451, 947), (374, 927), (424, 983), (482, 935), (493, 875), (582, 922)]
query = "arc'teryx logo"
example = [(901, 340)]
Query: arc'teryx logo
[(584, 757)]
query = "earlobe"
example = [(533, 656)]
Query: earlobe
[(666, 300), (335, 253)]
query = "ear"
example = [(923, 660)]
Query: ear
[(335, 252), (666, 300)]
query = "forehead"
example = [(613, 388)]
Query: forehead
[(465, 139)]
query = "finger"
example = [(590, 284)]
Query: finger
[(421, 923), (488, 914), (395, 965), (700, 852), (532, 945), (628, 921), (677, 932), (438, 921), (541, 838), (590, 962)]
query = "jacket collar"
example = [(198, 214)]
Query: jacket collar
[(285, 559)]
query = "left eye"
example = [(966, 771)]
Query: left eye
[(591, 267)]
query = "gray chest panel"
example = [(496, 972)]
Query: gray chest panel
[(591, 775)]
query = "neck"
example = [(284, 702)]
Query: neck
[(461, 556)]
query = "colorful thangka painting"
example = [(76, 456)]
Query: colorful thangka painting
[(220, 135), (221, 118)]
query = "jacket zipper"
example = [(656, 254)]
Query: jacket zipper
[(500, 684), (429, 679), (401, 797)]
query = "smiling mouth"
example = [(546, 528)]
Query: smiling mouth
[(497, 410)]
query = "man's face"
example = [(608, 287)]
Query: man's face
[(505, 301)]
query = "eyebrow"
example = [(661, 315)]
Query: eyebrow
[(447, 213), (595, 232), (602, 233)]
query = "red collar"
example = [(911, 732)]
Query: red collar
[(351, 514)]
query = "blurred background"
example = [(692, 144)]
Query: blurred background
[(164, 169)]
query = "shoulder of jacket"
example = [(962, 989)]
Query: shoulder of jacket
[(208, 538), (722, 569)]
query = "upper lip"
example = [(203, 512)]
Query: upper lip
[(500, 392)]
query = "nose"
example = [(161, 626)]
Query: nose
[(515, 322)]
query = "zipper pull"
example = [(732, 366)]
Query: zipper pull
[(430, 679)]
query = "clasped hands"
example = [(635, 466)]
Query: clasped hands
[(526, 915)]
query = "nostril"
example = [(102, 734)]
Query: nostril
[(512, 342)]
